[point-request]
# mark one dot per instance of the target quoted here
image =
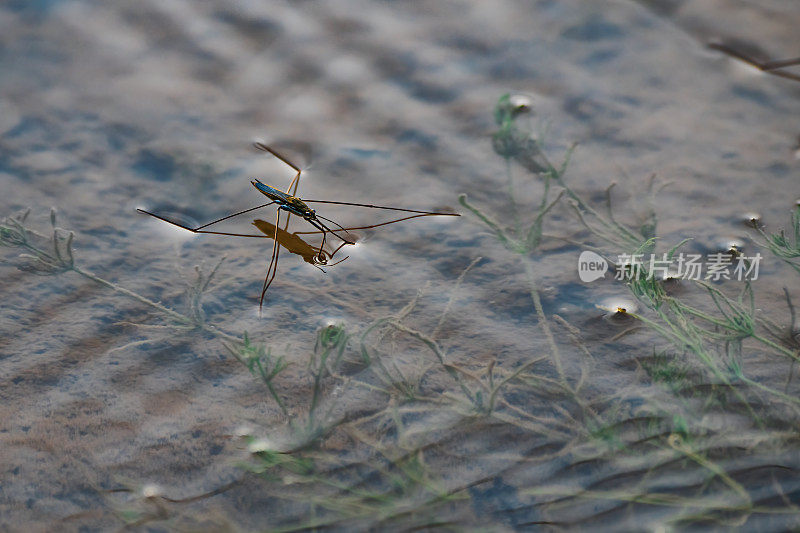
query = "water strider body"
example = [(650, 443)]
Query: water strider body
[(292, 204), (296, 206)]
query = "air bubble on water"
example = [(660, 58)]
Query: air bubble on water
[(243, 431), (259, 445), (150, 490), (521, 103), (751, 218), (330, 322), (617, 309), (731, 245)]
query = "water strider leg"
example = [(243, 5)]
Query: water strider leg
[(292, 190), (368, 227), (325, 230), (296, 180), (321, 254), (781, 63), (770, 67), (272, 269), (331, 254), (334, 231), (200, 228), (235, 214), (371, 206)]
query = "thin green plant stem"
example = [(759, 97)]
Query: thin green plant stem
[(533, 289), (490, 222), (512, 197), (63, 261), (156, 305), (685, 337), (678, 444), (779, 394), (453, 292), (726, 324), (434, 347)]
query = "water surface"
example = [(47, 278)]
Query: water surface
[(106, 410)]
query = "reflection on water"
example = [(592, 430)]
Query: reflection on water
[(469, 378), (292, 243)]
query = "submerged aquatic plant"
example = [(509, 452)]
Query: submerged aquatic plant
[(714, 343), (260, 362), (53, 255), (390, 425), (785, 248)]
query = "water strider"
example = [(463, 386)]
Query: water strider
[(287, 201)]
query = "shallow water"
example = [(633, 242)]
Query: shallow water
[(107, 415)]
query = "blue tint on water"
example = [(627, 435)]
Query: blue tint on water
[(34, 7), (155, 165)]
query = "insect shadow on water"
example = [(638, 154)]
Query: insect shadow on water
[(292, 242), (773, 67)]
